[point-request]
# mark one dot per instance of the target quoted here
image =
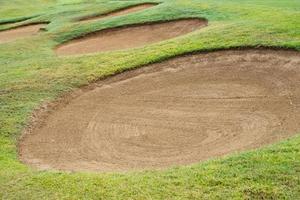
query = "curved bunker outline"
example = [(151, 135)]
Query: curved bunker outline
[(29, 30), (118, 12), (239, 108), (129, 36)]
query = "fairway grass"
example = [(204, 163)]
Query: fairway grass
[(32, 75)]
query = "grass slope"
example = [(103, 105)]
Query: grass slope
[(30, 74)]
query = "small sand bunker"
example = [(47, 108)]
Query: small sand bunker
[(178, 112), (120, 12), (20, 32), (129, 37)]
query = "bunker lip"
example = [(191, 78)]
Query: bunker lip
[(181, 111), (118, 12), (129, 36), (16, 20), (22, 31)]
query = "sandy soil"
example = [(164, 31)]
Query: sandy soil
[(129, 37), (119, 12), (21, 32), (177, 112)]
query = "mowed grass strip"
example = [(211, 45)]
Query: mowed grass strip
[(31, 73)]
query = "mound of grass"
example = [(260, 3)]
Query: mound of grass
[(30, 74)]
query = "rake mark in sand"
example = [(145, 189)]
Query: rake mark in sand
[(177, 112)]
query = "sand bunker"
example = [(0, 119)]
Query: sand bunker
[(20, 32), (129, 37), (119, 12), (178, 112)]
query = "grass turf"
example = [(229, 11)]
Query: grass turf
[(30, 74)]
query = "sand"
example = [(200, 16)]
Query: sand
[(178, 112), (129, 37), (20, 32), (120, 12)]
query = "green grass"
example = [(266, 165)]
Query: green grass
[(30, 74)]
